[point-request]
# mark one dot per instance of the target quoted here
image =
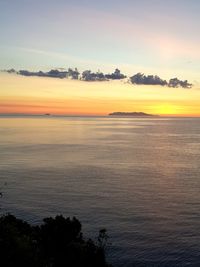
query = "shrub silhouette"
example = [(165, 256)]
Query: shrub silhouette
[(57, 242)]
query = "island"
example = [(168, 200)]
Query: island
[(131, 114)]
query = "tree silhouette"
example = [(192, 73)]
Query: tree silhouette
[(57, 242)]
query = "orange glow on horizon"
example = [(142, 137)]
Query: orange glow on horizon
[(33, 95)]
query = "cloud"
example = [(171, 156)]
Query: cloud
[(9, 71), (52, 73), (140, 78), (175, 82), (88, 75)]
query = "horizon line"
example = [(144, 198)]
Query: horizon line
[(99, 115)]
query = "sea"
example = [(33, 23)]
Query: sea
[(137, 177)]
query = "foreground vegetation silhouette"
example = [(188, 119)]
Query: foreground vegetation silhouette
[(57, 242)]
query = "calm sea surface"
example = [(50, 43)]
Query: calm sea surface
[(137, 177)]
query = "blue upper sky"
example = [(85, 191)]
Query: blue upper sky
[(146, 35)]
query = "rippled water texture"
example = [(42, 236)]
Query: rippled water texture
[(139, 178)]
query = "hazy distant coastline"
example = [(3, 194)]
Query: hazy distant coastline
[(131, 114)]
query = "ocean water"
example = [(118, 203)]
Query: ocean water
[(137, 177)]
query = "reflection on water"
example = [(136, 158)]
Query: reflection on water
[(139, 178)]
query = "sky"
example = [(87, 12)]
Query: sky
[(155, 37)]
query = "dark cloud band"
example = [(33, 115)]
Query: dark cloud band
[(88, 76), (140, 78)]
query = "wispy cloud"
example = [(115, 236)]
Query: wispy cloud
[(67, 57)]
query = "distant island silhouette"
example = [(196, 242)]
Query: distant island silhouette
[(131, 114)]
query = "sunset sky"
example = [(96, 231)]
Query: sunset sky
[(155, 37)]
